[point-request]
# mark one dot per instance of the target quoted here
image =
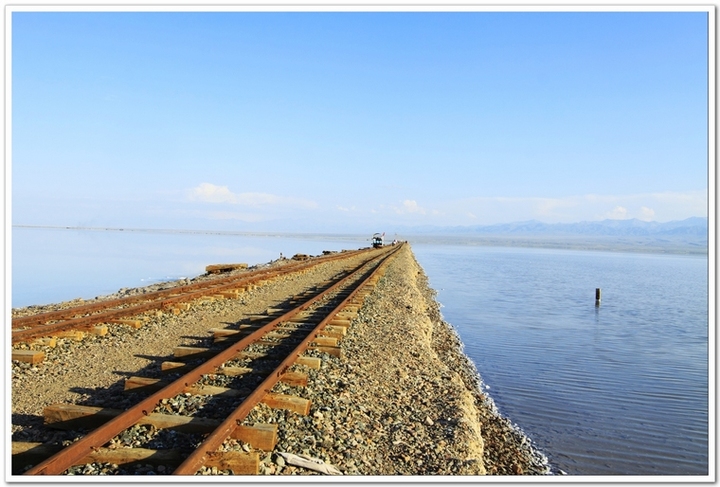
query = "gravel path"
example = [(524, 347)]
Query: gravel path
[(404, 399)]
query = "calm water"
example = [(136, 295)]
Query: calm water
[(617, 389)]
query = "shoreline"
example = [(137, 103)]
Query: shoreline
[(404, 399), (495, 426)]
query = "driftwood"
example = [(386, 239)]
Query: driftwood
[(310, 463)]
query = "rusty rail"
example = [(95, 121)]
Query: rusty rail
[(151, 301), (69, 456), (191, 465)]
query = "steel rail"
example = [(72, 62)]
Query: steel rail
[(215, 439), (74, 311), (160, 302), (72, 454)]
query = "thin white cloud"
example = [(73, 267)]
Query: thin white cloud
[(410, 206), (646, 214), (346, 209), (211, 193), (407, 208), (664, 206), (617, 213)]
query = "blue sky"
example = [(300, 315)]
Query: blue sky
[(332, 121)]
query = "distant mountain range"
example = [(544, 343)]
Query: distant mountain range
[(695, 227)]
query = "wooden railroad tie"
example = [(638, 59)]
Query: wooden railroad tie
[(177, 308), (309, 362), (131, 323), (325, 341), (345, 315), (230, 294), (168, 367), (334, 351), (277, 334), (335, 333), (71, 334), (45, 342), (341, 329), (303, 318), (224, 335), (28, 356), (296, 325), (221, 332), (224, 332), (218, 268), (192, 352), (258, 318), (99, 330), (337, 322)]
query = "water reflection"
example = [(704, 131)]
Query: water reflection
[(616, 391)]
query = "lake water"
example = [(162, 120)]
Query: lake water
[(619, 389), (615, 389)]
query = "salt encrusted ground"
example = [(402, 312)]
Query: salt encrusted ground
[(404, 399)]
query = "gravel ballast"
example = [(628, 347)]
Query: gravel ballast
[(403, 399)]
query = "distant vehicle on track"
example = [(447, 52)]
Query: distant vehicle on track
[(377, 240)]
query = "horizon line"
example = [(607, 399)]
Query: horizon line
[(264, 232)]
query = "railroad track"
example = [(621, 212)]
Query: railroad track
[(87, 316), (228, 381)]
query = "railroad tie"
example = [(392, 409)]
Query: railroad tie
[(187, 353), (71, 334), (310, 362), (325, 341), (45, 342), (28, 356), (131, 323), (334, 351), (168, 367), (336, 333)]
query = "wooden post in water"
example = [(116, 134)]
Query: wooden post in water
[(597, 296)]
